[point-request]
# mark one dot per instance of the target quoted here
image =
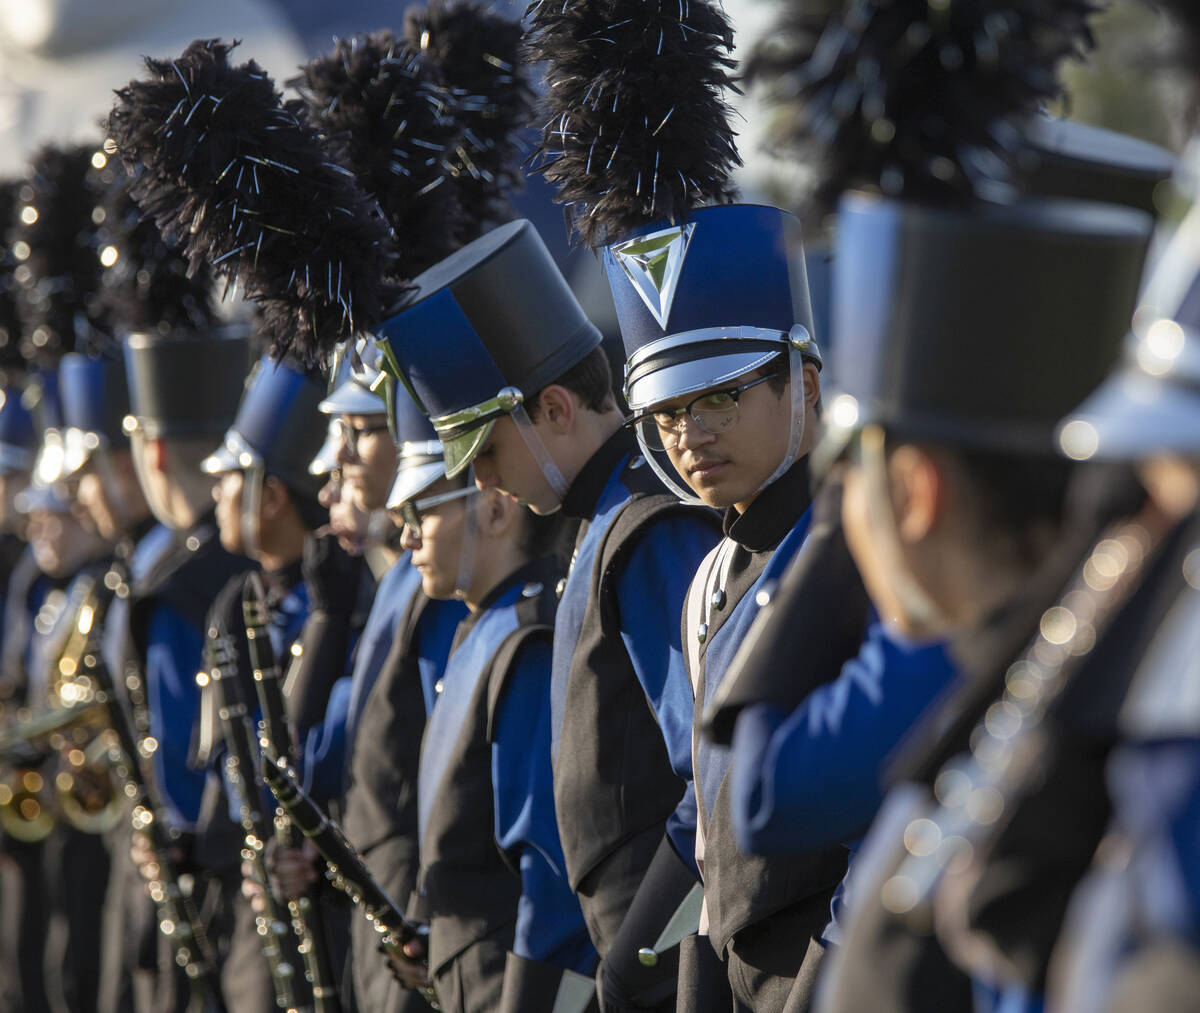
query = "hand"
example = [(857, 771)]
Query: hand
[(331, 574), (293, 871), (411, 970)]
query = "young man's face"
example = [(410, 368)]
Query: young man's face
[(505, 463), (228, 495), (61, 542), (729, 469), (367, 460), (437, 548), (109, 497)]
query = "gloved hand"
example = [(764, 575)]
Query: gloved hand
[(331, 574)]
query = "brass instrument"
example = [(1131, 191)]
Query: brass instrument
[(69, 733)]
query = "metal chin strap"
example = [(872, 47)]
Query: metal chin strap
[(466, 546), (252, 489), (537, 449)]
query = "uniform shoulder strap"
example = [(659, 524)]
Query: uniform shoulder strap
[(535, 615)]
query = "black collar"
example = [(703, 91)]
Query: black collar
[(280, 583), (584, 493), (774, 511), (542, 571)]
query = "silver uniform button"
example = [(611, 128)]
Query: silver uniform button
[(531, 590), (560, 587), (437, 687), (718, 599), (702, 632), (192, 543)]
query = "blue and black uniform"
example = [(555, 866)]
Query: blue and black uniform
[(401, 657), (750, 903), (622, 710), (493, 880)]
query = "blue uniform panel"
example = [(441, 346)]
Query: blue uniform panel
[(550, 924), (813, 778), (392, 598), (650, 594), (465, 667), (174, 655), (712, 760), (432, 640), (325, 746)]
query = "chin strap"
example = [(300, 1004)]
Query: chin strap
[(466, 547), (252, 488), (541, 455)]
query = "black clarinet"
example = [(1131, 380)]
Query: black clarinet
[(275, 739), (178, 919), (346, 869), (240, 766)]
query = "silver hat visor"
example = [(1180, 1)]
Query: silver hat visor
[(414, 479), (1149, 405), (234, 454), (327, 457), (353, 397), (682, 364)]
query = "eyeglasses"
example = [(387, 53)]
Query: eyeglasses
[(350, 435), (410, 511), (715, 413)]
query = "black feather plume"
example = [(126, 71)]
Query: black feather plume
[(913, 97), (54, 246), (479, 55), (145, 284), (10, 320), (637, 128), (241, 181), (385, 110), (1184, 52)]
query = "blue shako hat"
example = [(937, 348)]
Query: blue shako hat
[(420, 459), (278, 428), (95, 402), (185, 384), (486, 328), (18, 439), (708, 299)]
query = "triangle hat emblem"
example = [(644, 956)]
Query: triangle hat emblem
[(653, 264)]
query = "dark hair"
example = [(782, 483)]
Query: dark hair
[(590, 379), (1016, 496)]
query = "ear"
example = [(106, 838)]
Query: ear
[(497, 512), (812, 388), (558, 408), (918, 487), (275, 498)]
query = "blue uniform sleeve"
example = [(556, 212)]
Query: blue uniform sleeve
[(814, 778), (550, 926), (650, 593), (324, 745), (174, 655)]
